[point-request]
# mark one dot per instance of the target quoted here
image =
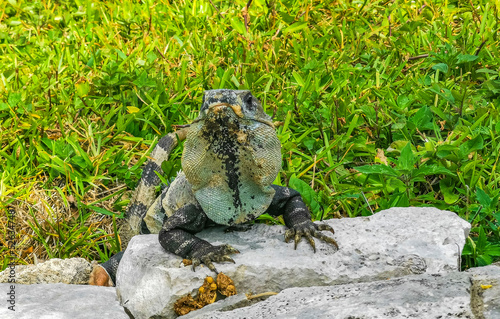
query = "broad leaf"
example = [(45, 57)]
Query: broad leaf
[(483, 198), (377, 169), (407, 159), (433, 169), (463, 58), (447, 187), (442, 67), (466, 148)]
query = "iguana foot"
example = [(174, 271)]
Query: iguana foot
[(309, 230), (209, 254)]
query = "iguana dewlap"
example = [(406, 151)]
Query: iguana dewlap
[(231, 157)]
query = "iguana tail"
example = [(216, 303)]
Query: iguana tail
[(144, 194)]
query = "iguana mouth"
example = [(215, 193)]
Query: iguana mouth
[(218, 107)]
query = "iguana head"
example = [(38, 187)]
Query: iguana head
[(231, 157), (242, 104)]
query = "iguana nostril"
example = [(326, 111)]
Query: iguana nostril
[(224, 107)]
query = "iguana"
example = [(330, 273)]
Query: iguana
[(231, 157)]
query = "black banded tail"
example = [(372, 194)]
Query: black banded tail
[(144, 194)]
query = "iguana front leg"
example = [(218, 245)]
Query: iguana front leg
[(177, 236), (297, 217)]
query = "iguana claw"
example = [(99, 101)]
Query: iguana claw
[(309, 230), (211, 254)]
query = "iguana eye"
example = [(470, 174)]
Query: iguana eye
[(249, 101)]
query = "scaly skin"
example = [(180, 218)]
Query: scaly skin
[(231, 157)]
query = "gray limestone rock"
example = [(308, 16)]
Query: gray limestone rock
[(60, 301), (68, 271), (418, 296), (389, 244), (485, 291), (452, 295)]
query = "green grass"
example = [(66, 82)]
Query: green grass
[(382, 104)]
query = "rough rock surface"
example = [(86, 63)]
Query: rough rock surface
[(486, 291), (68, 271), (61, 301), (452, 295), (392, 243)]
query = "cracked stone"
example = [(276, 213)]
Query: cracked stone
[(393, 243)]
